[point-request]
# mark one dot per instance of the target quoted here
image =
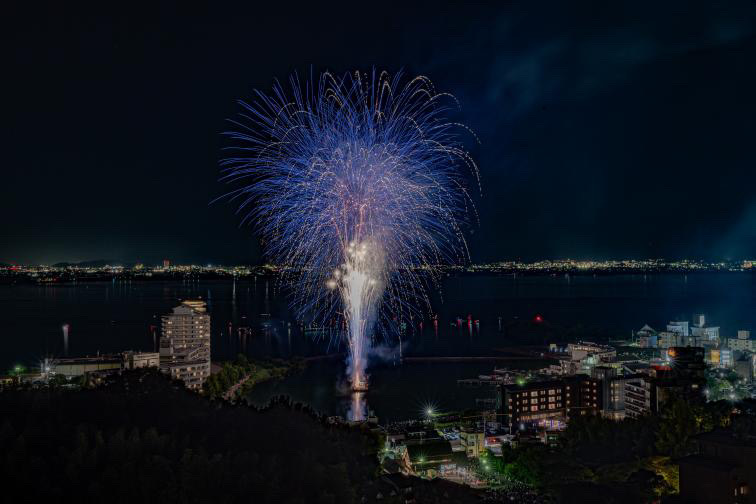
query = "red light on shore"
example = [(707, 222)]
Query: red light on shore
[(538, 318)]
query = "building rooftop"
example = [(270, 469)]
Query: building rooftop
[(421, 433), (89, 360), (428, 450), (195, 304), (635, 366), (539, 384)]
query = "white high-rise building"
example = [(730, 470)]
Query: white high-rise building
[(743, 342), (706, 335), (185, 343), (726, 358), (679, 327)]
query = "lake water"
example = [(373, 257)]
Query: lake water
[(115, 316)]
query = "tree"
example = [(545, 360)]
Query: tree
[(677, 425)]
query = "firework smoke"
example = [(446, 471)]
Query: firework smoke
[(356, 186)]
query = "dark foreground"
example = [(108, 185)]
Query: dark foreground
[(144, 439), (140, 438)]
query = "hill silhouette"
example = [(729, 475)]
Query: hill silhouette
[(97, 263)]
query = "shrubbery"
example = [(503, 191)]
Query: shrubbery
[(145, 439)]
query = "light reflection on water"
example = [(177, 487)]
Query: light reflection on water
[(250, 316), (358, 409)]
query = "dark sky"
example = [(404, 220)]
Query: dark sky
[(607, 130)]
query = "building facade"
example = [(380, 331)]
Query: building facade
[(139, 360), (613, 387), (682, 377), (188, 326), (472, 440), (83, 365), (743, 367), (722, 470), (80, 366), (582, 349), (680, 327), (535, 402), (706, 336), (743, 342), (668, 339), (185, 344), (726, 358), (640, 397), (647, 337)]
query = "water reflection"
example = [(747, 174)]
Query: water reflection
[(358, 407), (65, 339), (115, 316)]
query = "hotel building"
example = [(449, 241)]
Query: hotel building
[(535, 402), (185, 344)]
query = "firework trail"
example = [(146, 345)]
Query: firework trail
[(356, 185)]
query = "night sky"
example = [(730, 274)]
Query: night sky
[(607, 131)]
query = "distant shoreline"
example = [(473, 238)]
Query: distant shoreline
[(73, 277)]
